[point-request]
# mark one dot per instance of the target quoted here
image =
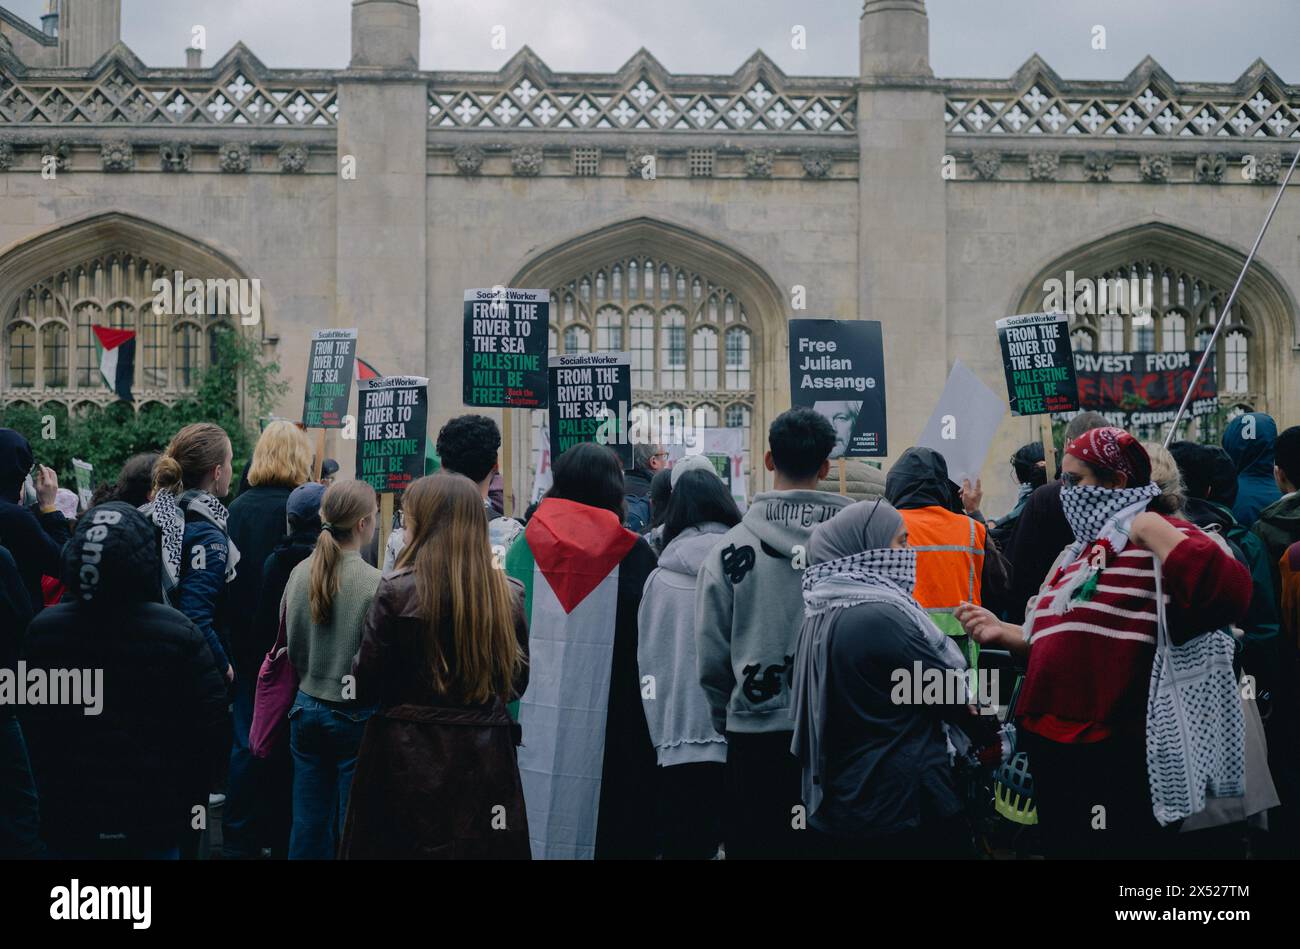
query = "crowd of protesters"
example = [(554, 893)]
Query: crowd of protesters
[(638, 668)]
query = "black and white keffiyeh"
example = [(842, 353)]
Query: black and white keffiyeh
[(883, 575), (1100, 517), (1097, 513), (861, 567), (167, 512)]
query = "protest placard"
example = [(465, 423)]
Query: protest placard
[(1134, 390), (963, 423), (505, 344), (591, 394), (837, 368), (329, 378), (1037, 360), (85, 475), (391, 433), (725, 447)]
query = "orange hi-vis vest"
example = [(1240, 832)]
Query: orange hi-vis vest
[(949, 562)]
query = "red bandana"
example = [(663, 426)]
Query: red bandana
[(1116, 449)]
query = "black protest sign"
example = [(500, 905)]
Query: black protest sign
[(329, 378), (591, 394), (506, 333), (394, 414), (837, 367), (1143, 389), (1038, 363)]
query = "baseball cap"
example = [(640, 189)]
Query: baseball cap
[(693, 463), (304, 501)]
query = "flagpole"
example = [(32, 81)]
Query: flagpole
[(1227, 307)]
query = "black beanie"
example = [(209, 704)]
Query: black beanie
[(113, 558)]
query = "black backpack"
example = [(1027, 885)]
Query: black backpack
[(638, 513)]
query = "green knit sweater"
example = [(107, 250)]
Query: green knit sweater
[(322, 655)]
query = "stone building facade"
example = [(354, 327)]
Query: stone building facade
[(374, 195)]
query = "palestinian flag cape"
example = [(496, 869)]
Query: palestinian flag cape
[(571, 560), (116, 359)]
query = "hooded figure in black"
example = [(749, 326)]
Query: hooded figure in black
[(120, 774), (920, 479)]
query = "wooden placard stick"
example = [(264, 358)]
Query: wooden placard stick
[(507, 462), (320, 455)]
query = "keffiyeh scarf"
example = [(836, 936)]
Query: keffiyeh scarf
[(883, 575), (167, 512), (1101, 519), (878, 575)]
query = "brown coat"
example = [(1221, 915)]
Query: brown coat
[(436, 778)]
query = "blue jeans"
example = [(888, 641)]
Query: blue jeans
[(19, 810), (256, 812), (324, 738)]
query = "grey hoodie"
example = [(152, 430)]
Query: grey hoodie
[(749, 607), (681, 727)]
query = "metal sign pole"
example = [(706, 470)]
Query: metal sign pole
[(1227, 307)]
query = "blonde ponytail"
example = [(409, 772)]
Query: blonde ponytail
[(343, 506)]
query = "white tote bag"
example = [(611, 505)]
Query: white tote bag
[(1261, 794), (1196, 733)]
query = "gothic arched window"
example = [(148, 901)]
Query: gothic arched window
[(685, 332), (1236, 376), (1154, 305), (22, 356), (49, 332)]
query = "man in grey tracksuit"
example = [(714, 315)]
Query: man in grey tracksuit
[(748, 610)]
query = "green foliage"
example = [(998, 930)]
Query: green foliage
[(107, 437)]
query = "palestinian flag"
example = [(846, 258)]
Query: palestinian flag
[(366, 371), (116, 359), (569, 561)]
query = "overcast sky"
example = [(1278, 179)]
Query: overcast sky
[(1210, 40)]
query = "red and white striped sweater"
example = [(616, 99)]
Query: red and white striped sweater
[(1089, 669)]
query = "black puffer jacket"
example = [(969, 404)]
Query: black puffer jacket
[(133, 772)]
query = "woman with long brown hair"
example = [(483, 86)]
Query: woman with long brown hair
[(324, 606), (443, 650)]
